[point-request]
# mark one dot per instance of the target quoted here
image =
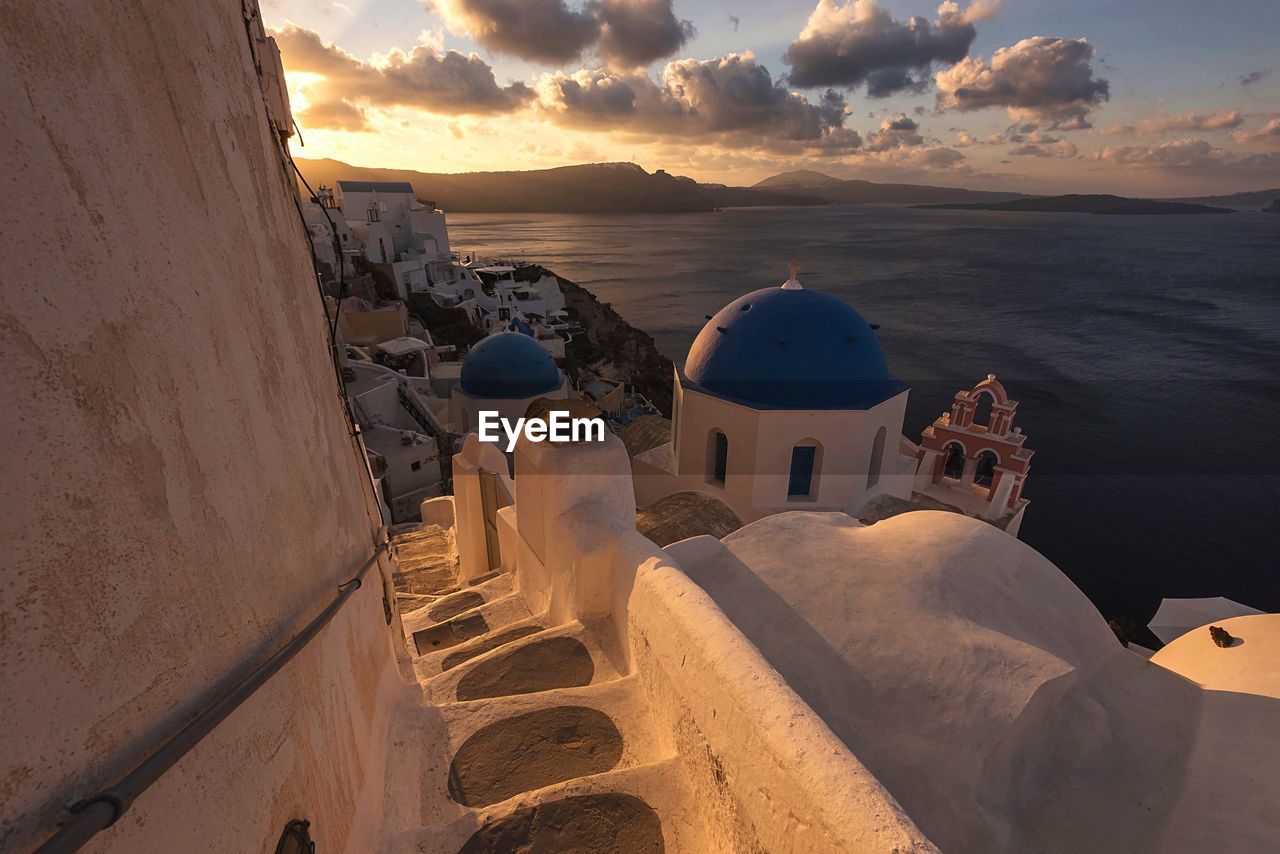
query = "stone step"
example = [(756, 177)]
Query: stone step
[(660, 786), (532, 750), (609, 821)]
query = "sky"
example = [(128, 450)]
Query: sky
[(1136, 97)]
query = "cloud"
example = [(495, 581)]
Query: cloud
[(1181, 154), (634, 33), (537, 30), (1267, 136), (1040, 79), (964, 139), (901, 132), (624, 33), (1186, 155), (732, 100), (422, 78), (1063, 148), (934, 158), (1202, 122), (334, 115), (859, 42), (1254, 76)]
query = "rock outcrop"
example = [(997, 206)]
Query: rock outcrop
[(611, 347)]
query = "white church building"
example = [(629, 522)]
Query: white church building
[(786, 402)]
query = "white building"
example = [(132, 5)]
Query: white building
[(395, 221), (331, 236), (399, 420), (395, 229), (785, 402)]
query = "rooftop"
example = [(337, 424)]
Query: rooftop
[(686, 514), (790, 348), (509, 365)]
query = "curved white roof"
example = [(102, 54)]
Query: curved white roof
[(986, 692), (1251, 665), (1175, 617)]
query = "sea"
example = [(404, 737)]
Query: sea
[(1144, 352)]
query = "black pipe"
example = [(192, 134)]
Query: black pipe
[(98, 812)]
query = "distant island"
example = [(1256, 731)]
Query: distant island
[(595, 188), (1090, 204), (1249, 201), (811, 188), (591, 188)]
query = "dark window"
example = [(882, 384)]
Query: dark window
[(982, 411), (416, 466), (803, 458), (720, 457), (986, 470), (954, 468), (877, 458)]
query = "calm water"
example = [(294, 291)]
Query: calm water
[(1145, 353)]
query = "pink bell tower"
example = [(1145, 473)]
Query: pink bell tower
[(980, 469)]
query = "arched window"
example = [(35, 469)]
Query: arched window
[(717, 457), (982, 410), (986, 470), (877, 458), (954, 466), (804, 470)]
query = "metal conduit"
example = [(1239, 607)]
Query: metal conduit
[(99, 811)]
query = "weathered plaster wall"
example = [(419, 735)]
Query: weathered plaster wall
[(179, 491)]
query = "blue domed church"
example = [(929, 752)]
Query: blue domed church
[(505, 373), (785, 402)]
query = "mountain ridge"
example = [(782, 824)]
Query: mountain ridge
[(628, 188), (797, 178), (587, 188)]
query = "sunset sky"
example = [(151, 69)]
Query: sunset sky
[(1128, 96)]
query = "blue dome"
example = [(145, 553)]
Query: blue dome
[(509, 365), (784, 348)]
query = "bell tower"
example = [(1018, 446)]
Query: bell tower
[(978, 468)]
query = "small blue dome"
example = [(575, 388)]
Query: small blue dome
[(509, 366), (790, 348)]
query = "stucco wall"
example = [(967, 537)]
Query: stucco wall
[(180, 493), (759, 458)]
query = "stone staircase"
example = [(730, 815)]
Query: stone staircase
[(531, 737)]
